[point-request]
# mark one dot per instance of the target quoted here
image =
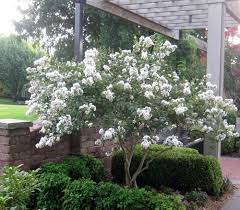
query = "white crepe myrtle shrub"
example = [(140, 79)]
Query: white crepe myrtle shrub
[(133, 96)]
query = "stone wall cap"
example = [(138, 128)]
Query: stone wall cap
[(14, 124)]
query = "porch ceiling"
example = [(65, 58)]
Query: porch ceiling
[(169, 16)]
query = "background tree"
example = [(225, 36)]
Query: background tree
[(15, 56), (53, 22)]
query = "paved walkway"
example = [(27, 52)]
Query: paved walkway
[(231, 169)]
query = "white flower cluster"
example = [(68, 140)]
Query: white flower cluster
[(146, 41), (145, 113), (106, 135), (91, 75), (173, 141), (147, 141), (108, 94), (186, 89), (180, 109), (87, 108)]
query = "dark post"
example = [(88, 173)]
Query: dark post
[(79, 19)]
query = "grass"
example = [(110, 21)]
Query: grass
[(10, 110)]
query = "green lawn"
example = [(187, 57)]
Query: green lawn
[(10, 110)]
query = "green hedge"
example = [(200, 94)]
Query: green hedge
[(179, 168), (86, 194)]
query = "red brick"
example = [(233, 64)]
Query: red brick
[(19, 132), (4, 157), (4, 140), (95, 149), (5, 149), (87, 144)]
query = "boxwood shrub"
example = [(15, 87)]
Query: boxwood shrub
[(77, 167), (85, 194), (80, 194), (179, 168), (52, 186)]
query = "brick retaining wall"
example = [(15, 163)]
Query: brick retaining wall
[(18, 140)]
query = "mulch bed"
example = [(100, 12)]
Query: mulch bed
[(214, 204)]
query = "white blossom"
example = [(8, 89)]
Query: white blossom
[(180, 109), (145, 113), (108, 95), (173, 141), (146, 144)]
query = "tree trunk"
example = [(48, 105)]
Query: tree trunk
[(127, 173)]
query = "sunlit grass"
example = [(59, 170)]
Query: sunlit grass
[(10, 110)]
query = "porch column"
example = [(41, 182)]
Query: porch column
[(215, 66), (79, 23)]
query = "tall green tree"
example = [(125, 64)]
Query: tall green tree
[(55, 19), (15, 56)]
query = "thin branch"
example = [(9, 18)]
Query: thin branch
[(141, 168)]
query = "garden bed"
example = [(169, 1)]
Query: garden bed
[(80, 182)]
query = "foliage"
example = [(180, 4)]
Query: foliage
[(198, 197), (52, 186), (15, 56), (96, 168), (187, 59), (54, 168), (85, 194), (169, 202), (16, 188), (80, 195), (42, 19), (77, 167), (178, 168), (228, 146), (113, 196), (231, 73), (133, 97)]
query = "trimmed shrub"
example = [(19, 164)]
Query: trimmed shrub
[(80, 194), (77, 167), (179, 168), (52, 186)]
